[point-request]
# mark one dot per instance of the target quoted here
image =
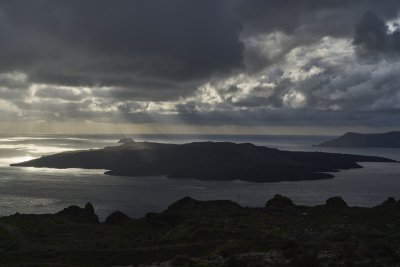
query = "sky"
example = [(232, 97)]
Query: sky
[(199, 66)]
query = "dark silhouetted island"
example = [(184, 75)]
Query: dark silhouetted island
[(218, 233), (206, 161), (390, 139)]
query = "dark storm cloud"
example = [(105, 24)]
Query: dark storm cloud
[(267, 117), (250, 62), (147, 90), (329, 17), (61, 93), (372, 36), (306, 21), (96, 42)]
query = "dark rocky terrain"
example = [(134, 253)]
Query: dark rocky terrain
[(206, 160), (208, 233), (390, 139)]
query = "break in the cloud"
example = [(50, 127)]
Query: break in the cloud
[(249, 63)]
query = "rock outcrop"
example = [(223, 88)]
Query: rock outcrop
[(216, 233), (335, 203), (117, 217), (86, 214), (279, 202)]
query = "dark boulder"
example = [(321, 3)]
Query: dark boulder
[(89, 208), (71, 211), (279, 202), (76, 213), (117, 217), (335, 202), (389, 201)]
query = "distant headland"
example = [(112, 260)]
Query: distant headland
[(350, 139), (206, 161)]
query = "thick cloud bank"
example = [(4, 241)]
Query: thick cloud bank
[(208, 62)]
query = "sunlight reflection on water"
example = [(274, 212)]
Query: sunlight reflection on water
[(44, 190)]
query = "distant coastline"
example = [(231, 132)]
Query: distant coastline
[(206, 161), (350, 139)]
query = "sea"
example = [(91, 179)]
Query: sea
[(46, 190)]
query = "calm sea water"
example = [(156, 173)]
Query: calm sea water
[(42, 190)]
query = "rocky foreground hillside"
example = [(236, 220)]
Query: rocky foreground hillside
[(208, 233)]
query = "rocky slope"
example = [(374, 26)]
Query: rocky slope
[(208, 233)]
